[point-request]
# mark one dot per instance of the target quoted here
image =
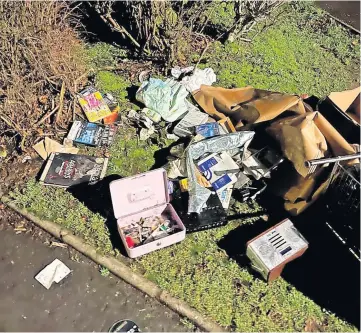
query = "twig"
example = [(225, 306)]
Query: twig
[(45, 117), (61, 102), (202, 54)]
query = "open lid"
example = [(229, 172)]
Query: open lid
[(137, 193)]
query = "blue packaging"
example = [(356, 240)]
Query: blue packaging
[(208, 130)]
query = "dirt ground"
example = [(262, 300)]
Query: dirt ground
[(347, 11), (83, 301)]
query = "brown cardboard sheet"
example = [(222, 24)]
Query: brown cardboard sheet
[(348, 101), (302, 137), (246, 105)]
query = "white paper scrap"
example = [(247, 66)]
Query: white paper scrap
[(56, 271)]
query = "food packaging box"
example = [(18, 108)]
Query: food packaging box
[(141, 196)]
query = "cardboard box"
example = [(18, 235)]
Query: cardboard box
[(342, 110), (143, 196)]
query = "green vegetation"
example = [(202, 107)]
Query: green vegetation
[(55, 204), (114, 84), (104, 271), (298, 54), (130, 156), (104, 55), (291, 56)]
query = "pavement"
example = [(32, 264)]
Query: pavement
[(346, 11), (84, 301)]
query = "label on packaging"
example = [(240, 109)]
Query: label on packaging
[(219, 163), (225, 196), (208, 130)]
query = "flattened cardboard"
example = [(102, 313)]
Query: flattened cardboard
[(246, 104)]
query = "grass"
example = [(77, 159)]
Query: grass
[(291, 56), (298, 54)]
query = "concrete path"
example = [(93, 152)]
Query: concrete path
[(84, 301)]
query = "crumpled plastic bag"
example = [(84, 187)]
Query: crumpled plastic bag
[(200, 76), (168, 98), (199, 195)]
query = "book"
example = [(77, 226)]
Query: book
[(66, 170), (114, 107), (91, 134), (93, 104)]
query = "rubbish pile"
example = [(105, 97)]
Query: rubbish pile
[(231, 144)]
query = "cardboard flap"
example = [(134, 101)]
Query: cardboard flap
[(136, 193), (344, 99)]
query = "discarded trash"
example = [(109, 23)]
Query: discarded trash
[(54, 272), (193, 118), (57, 244), (93, 104), (144, 75), (199, 77), (114, 108), (154, 116), (198, 194), (145, 218), (246, 105), (166, 98), (92, 134), (222, 163), (273, 249), (213, 215), (176, 169), (65, 170), (125, 325), (260, 163), (171, 136), (145, 133), (25, 159), (177, 71), (208, 130), (227, 125), (48, 146)]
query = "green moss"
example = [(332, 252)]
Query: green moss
[(103, 54), (112, 83), (288, 59), (58, 205), (220, 14), (129, 155)]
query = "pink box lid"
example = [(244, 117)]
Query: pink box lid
[(140, 192)]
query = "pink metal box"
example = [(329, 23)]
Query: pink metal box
[(142, 196)]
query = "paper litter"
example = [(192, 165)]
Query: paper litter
[(54, 272), (193, 118), (198, 194), (47, 146)]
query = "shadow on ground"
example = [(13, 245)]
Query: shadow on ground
[(97, 199), (327, 273)]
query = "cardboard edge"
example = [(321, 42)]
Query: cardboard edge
[(46, 169)]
